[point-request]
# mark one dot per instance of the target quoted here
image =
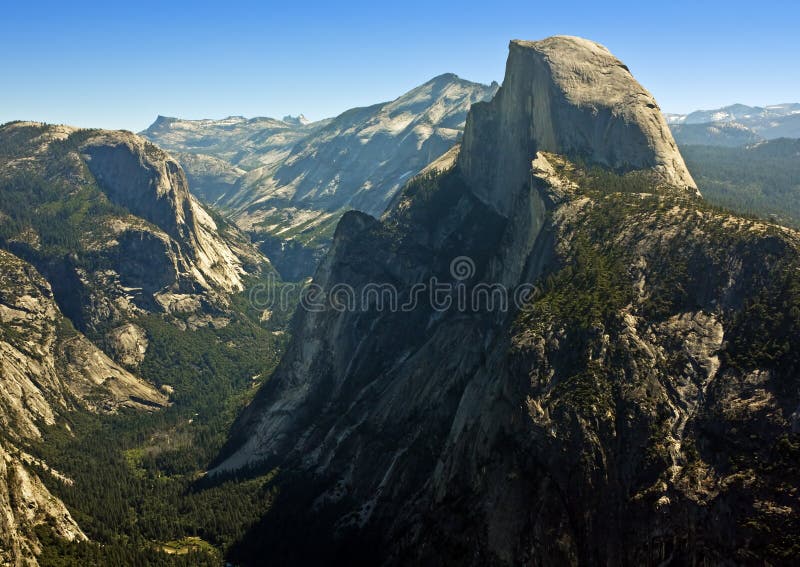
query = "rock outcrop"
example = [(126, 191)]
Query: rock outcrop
[(46, 369), (569, 96), (126, 238), (151, 185), (129, 343), (97, 230), (290, 196), (634, 403)]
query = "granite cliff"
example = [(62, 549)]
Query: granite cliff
[(98, 231), (569, 96), (48, 369), (637, 404), (288, 182), (108, 219)]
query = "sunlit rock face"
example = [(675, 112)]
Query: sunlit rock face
[(46, 370), (569, 96), (624, 414), (151, 185), (288, 182), (97, 230)]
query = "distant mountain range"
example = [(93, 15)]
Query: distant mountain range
[(736, 125), (288, 181), (552, 320), (640, 408), (754, 116)]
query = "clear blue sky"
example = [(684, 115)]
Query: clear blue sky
[(120, 64)]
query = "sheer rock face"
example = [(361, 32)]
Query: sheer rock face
[(151, 185), (569, 96), (151, 246), (98, 229), (26, 502), (46, 370), (614, 420), (143, 179)]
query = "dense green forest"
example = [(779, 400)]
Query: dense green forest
[(139, 490), (761, 180)]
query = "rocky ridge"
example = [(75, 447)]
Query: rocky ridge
[(639, 407), (138, 241), (716, 127), (573, 97), (97, 231), (47, 369), (242, 142), (312, 173)]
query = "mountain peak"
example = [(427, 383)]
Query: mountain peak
[(570, 96), (299, 120), (445, 77), (446, 80), (559, 44), (162, 120)]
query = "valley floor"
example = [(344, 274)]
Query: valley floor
[(138, 488)]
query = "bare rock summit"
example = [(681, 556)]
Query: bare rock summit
[(570, 96)]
